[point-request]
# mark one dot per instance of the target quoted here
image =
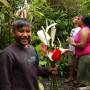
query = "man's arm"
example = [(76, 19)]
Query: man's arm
[(42, 71), (5, 71)]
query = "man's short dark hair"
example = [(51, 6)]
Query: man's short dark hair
[(19, 24)]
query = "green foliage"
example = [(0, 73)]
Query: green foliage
[(44, 60), (86, 4), (5, 25), (39, 11), (63, 65), (34, 7), (5, 3), (35, 40)]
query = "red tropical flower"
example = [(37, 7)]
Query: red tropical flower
[(55, 54)]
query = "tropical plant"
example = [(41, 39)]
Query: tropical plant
[(59, 11), (86, 4), (5, 2)]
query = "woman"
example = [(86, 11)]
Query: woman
[(82, 50)]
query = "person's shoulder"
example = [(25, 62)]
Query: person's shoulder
[(72, 29), (85, 31), (86, 28), (78, 28), (8, 49), (31, 47)]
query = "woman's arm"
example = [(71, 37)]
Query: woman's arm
[(83, 39)]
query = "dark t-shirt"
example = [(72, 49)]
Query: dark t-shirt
[(19, 68)]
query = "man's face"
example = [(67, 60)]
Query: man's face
[(23, 35)]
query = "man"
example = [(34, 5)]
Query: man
[(19, 62)]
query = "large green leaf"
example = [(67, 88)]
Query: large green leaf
[(87, 4), (5, 3)]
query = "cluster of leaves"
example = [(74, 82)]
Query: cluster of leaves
[(59, 11)]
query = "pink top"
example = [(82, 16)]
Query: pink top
[(84, 51)]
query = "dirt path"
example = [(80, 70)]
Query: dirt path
[(59, 85)]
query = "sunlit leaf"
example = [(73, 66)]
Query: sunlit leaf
[(2, 16), (5, 3)]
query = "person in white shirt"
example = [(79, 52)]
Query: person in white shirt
[(73, 61)]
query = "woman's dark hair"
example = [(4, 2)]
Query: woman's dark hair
[(86, 20), (19, 24)]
